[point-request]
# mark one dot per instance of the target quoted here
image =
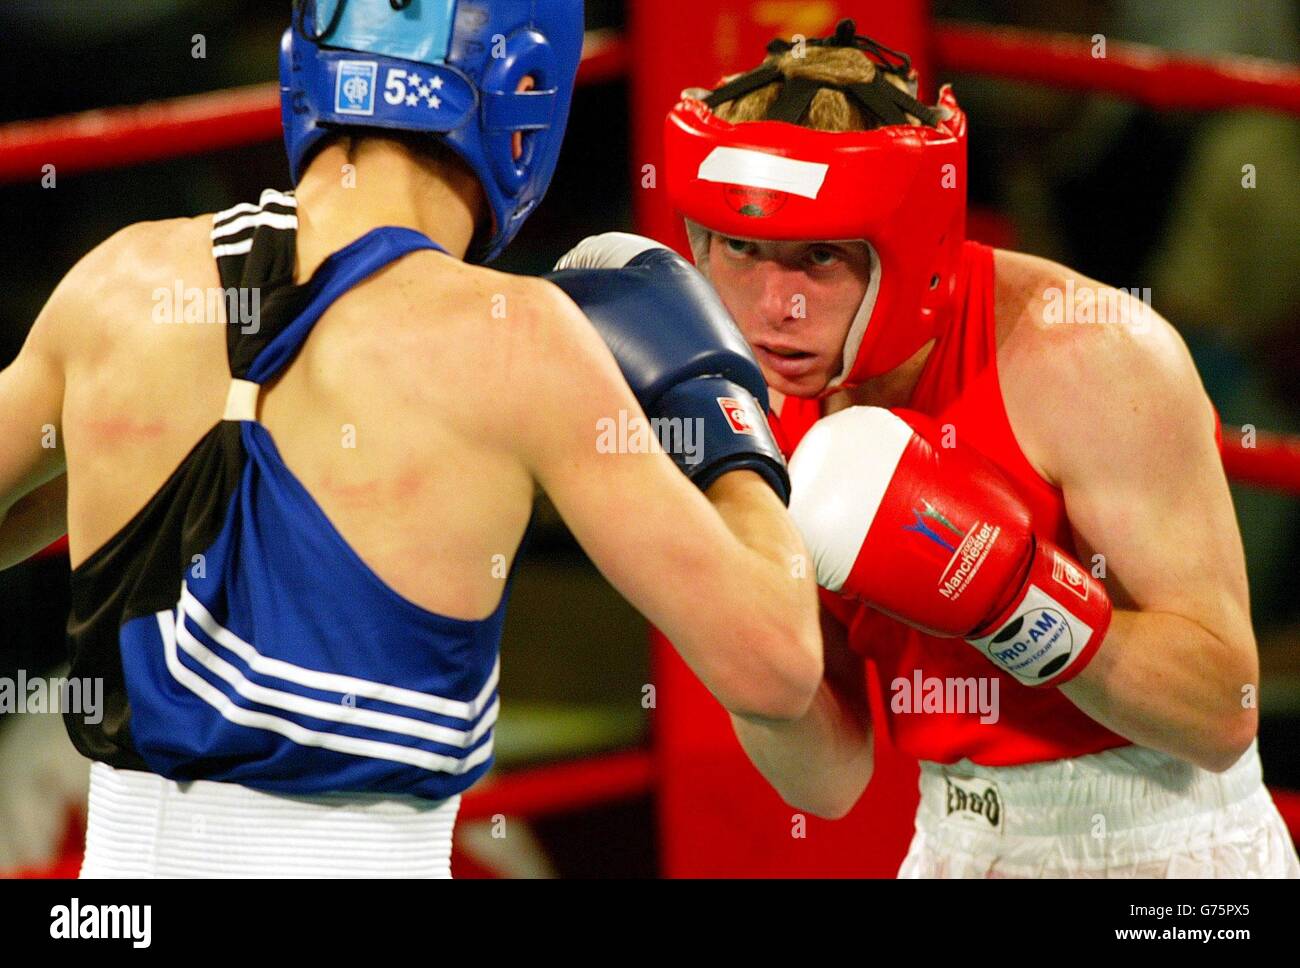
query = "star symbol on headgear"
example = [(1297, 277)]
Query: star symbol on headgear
[(435, 102), (436, 82), (423, 90), (412, 100), (413, 79)]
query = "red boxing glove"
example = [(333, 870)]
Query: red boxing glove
[(938, 538)]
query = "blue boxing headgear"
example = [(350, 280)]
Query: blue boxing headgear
[(446, 67)]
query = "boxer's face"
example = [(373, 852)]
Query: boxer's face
[(794, 302)]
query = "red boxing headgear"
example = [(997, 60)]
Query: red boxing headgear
[(901, 188)]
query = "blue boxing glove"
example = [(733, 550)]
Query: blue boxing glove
[(679, 351)]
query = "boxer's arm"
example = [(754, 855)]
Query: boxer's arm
[(34, 521), (33, 504), (820, 763), (718, 574), (1129, 437)]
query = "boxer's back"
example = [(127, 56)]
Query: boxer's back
[(395, 415), (292, 527)]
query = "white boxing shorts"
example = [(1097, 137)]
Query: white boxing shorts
[(144, 825), (1127, 812)]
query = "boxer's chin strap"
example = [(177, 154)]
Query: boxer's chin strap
[(699, 237), (862, 319), (241, 401)]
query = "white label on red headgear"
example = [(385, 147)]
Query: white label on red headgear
[(758, 169)]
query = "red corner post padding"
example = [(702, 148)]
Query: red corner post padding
[(719, 818)]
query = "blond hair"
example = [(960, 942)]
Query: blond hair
[(830, 110)]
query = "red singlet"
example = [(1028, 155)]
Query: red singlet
[(959, 386)]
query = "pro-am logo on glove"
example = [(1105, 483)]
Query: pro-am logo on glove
[(737, 415), (1040, 640)]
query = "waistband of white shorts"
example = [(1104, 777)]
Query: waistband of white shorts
[(144, 825), (1130, 786)]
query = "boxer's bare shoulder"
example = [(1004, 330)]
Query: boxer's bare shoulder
[(1053, 308), (472, 344), (1078, 358), (450, 387), (113, 289)]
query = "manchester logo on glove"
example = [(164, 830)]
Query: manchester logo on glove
[(965, 564)]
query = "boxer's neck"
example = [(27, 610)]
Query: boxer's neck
[(355, 185)]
